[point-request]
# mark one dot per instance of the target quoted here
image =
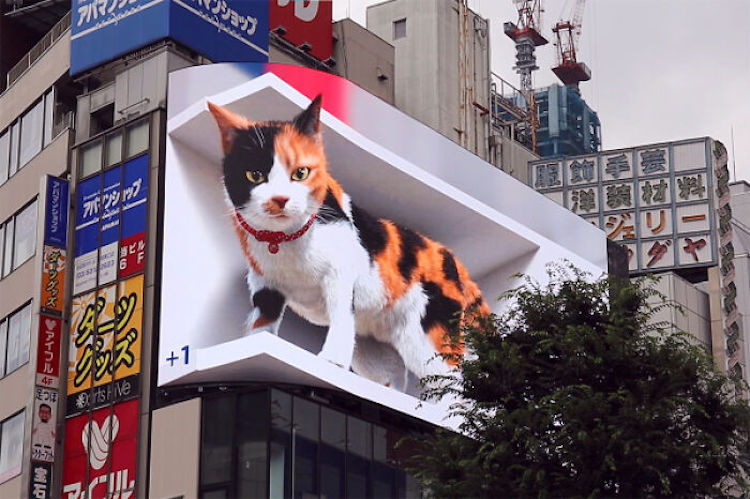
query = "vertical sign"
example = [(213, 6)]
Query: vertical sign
[(87, 234), (133, 235), (47, 375)]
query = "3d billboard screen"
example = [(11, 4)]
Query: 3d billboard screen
[(222, 30), (270, 265)]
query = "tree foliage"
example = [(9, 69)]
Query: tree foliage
[(574, 392)]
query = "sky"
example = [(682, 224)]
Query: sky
[(661, 69)]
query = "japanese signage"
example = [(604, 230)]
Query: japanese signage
[(100, 453), (655, 200), (105, 345), (222, 30), (56, 221), (44, 429), (111, 225), (41, 480), (304, 24), (48, 351), (53, 280)]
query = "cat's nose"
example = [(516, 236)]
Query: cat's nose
[(280, 201)]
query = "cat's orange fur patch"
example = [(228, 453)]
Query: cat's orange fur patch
[(262, 321), (242, 236)]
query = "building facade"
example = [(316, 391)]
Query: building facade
[(567, 125), (105, 393)]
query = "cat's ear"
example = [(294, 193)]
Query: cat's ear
[(228, 123), (308, 121)]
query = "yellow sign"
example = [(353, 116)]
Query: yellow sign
[(53, 279), (105, 335)]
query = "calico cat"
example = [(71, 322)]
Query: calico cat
[(310, 248)]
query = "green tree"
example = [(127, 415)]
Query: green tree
[(575, 392)]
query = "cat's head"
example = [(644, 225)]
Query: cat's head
[(275, 172)]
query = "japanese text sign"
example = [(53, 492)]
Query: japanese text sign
[(48, 351), (307, 21), (105, 344), (102, 445), (655, 199), (56, 218), (222, 30)]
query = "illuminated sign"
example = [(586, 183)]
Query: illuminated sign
[(104, 360), (56, 221), (205, 301), (111, 225), (222, 30), (655, 200), (48, 351), (100, 453), (53, 280)]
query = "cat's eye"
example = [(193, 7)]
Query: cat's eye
[(255, 176), (301, 173)]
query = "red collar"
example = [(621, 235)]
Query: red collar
[(274, 238)]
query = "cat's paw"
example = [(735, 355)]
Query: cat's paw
[(335, 358)]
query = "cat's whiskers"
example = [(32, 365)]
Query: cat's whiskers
[(259, 134)]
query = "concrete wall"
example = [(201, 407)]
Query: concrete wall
[(695, 317), (364, 58), (442, 66), (512, 157), (740, 203), (175, 450)]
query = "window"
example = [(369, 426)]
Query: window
[(138, 138), (269, 443), (18, 326), (91, 158), (4, 159), (20, 238), (15, 131), (32, 129), (49, 115), (11, 446), (399, 29), (114, 148)]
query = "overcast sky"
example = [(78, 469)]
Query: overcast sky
[(661, 69)]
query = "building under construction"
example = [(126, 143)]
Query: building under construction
[(567, 126)]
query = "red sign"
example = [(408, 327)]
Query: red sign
[(305, 24), (105, 447), (132, 254), (48, 352)]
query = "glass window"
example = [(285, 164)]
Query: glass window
[(359, 435), (281, 444), (25, 236), (399, 29), (8, 257), (3, 344), (91, 158), (114, 148), (11, 447), (252, 434), (15, 130), (306, 424), (2, 248), (32, 129), (19, 332), (137, 138), (216, 448), (49, 115), (4, 159), (332, 453)]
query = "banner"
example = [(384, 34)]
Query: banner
[(44, 426), (105, 345), (100, 453), (53, 280), (48, 351)]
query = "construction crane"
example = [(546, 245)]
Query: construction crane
[(526, 33), (567, 33)]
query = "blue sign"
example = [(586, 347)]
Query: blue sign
[(56, 218), (87, 215), (134, 190), (222, 30), (110, 206)]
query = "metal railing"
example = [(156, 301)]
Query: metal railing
[(38, 50)]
